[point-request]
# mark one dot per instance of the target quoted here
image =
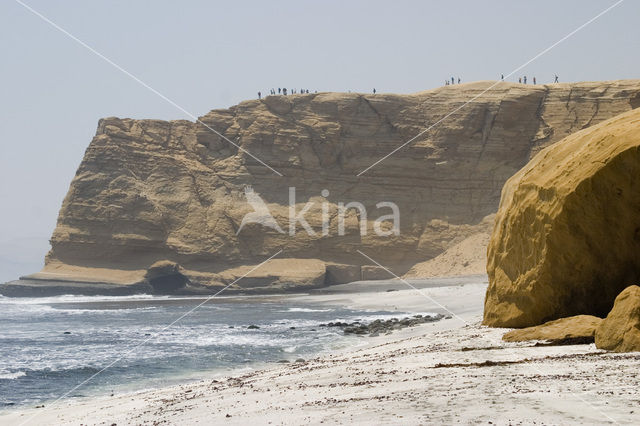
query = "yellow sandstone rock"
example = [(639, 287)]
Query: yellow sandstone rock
[(620, 330), (577, 329), (567, 235)]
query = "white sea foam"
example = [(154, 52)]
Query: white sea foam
[(307, 310), (11, 376), (69, 298)]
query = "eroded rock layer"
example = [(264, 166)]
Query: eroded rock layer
[(150, 190), (566, 240)]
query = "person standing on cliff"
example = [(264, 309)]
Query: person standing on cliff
[(453, 81), (259, 95), (279, 90), (520, 80), (459, 80), (502, 77), (525, 79), (534, 81), (284, 91), (374, 90), (556, 80)]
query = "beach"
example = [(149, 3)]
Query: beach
[(445, 372)]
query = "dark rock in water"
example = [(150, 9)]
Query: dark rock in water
[(292, 328), (381, 326), (253, 327), (67, 332)]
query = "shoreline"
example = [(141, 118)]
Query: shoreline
[(452, 370)]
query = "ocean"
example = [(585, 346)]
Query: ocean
[(48, 346)]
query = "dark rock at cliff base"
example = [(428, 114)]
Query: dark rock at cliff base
[(566, 239), (47, 288), (165, 277)]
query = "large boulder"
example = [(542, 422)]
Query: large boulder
[(620, 331), (567, 235), (577, 329)]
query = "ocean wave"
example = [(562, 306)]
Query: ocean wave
[(33, 310), (70, 298), (11, 376), (307, 310)]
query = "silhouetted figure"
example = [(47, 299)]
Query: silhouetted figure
[(556, 80), (279, 90), (459, 80), (374, 90), (502, 77), (284, 91), (453, 81), (520, 80), (307, 90), (259, 95), (534, 81), (525, 79)]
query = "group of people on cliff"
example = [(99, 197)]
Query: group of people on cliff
[(284, 91), (453, 81), (523, 80)]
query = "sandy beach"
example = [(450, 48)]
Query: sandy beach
[(451, 371)]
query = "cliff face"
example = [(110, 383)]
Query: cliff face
[(151, 190)]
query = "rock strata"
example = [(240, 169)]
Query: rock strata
[(567, 234), (150, 190)]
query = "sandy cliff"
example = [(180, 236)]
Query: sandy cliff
[(150, 190)]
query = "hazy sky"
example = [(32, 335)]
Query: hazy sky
[(205, 54)]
